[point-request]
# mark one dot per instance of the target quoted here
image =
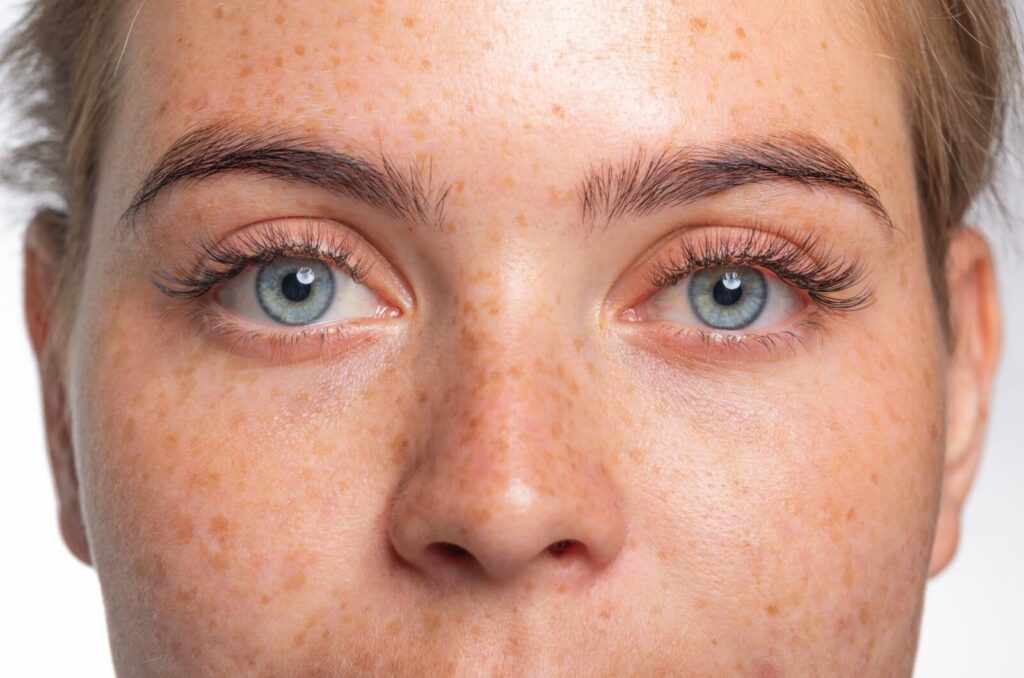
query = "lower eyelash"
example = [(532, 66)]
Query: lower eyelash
[(716, 348), (805, 265), (221, 261), (277, 346)]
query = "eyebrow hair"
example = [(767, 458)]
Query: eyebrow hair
[(647, 182), (405, 192)]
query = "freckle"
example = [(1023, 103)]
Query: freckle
[(558, 110), (279, 19), (711, 98), (218, 13), (824, 44), (772, 609), (740, 33), (184, 531), (698, 23), (245, 72), (300, 50), (295, 582), (279, 62), (128, 430), (850, 514), (409, 21), (735, 55)]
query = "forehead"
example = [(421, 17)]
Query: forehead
[(510, 84)]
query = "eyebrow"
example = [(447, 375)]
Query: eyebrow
[(644, 183), (407, 192), (647, 182)]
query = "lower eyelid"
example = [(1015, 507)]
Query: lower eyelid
[(689, 345), (290, 345)]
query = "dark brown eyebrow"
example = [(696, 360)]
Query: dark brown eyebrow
[(647, 182), (408, 192)]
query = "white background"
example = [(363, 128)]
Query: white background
[(51, 614)]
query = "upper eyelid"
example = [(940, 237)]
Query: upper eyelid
[(221, 259), (803, 263)]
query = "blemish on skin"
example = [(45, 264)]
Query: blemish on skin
[(300, 50), (735, 55), (698, 23), (740, 33), (558, 111), (409, 21), (279, 19), (771, 609), (128, 430), (824, 44), (295, 582)]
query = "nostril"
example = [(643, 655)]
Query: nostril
[(561, 548), (450, 551)]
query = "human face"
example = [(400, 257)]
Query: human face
[(539, 435)]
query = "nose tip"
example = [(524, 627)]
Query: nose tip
[(501, 534)]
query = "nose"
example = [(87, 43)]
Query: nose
[(509, 483)]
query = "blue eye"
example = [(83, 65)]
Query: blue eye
[(728, 298), (298, 292), (725, 298), (295, 291)]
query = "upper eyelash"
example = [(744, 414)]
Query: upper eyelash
[(805, 264), (220, 261)]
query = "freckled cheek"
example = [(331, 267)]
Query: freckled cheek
[(213, 484)]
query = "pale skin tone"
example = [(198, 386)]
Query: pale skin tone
[(283, 508)]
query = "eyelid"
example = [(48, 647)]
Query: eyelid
[(218, 260), (832, 281)]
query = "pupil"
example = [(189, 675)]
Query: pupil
[(294, 290), (725, 296)]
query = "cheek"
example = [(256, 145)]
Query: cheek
[(803, 494), (209, 484)]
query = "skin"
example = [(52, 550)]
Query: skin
[(731, 512)]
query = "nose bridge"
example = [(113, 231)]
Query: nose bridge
[(509, 476)]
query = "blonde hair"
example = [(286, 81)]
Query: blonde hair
[(959, 64)]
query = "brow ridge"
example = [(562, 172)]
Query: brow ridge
[(407, 192), (646, 181)]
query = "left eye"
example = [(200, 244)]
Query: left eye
[(297, 292), (727, 298)]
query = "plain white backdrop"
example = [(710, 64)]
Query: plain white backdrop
[(51, 613)]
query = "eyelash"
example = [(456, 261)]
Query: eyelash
[(220, 261), (804, 264)]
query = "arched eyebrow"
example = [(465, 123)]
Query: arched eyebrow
[(406, 192), (648, 182), (641, 185)]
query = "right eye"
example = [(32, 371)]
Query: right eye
[(298, 292)]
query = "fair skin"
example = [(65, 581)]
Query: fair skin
[(630, 491)]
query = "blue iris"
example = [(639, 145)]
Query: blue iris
[(728, 298), (295, 291)]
